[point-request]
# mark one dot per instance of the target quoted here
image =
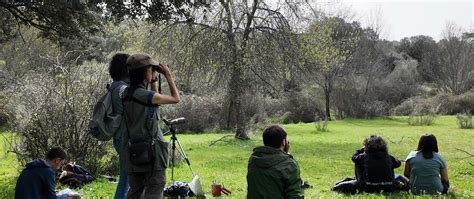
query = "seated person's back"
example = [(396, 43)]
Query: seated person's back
[(374, 166), (272, 172), (38, 178), (425, 168)]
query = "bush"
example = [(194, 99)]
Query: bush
[(421, 120), (406, 107), (54, 109), (202, 113), (321, 124), (446, 104), (5, 113), (423, 115), (465, 121), (300, 107), (465, 103)]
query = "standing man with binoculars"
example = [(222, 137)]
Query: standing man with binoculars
[(146, 152)]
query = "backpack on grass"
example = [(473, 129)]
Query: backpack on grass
[(104, 123), (346, 186), (75, 176)]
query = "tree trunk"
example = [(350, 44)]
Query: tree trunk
[(235, 93), (328, 111)]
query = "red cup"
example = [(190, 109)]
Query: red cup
[(216, 190)]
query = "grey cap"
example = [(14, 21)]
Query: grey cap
[(140, 60)]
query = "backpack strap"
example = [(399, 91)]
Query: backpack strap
[(129, 97)]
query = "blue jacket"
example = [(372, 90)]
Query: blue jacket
[(37, 180)]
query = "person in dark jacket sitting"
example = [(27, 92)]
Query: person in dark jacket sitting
[(272, 171), (374, 166), (38, 178)]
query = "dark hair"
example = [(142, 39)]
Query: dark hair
[(427, 145), (374, 144), (56, 152), (118, 67), (137, 76), (273, 136)]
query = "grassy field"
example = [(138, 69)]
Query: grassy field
[(324, 157)]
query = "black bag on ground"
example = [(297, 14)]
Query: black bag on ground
[(75, 176), (178, 189), (346, 186)]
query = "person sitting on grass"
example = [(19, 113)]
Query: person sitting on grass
[(38, 178), (374, 166), (272, 171), (426, 169)]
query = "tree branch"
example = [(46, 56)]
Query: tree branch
[(470, 154), (220, 139), (200, 24)]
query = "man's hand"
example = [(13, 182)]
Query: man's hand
[(287, 147)]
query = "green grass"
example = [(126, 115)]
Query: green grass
[(324, 157), (8, 167)]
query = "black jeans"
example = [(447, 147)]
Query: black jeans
[(146, 184)]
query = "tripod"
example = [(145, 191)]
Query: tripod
[(172, 129)]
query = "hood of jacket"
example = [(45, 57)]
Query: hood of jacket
[(38, 164), (266, 157)]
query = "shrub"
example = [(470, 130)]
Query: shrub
[(300, 107), (321, 124), (54, 109), (406, 107), (423, 115), (5, 113), (465, 121), (201, 112), (465, 103), (421, 120), (446, 104)]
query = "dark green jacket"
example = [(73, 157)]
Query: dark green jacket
[(142, 123), (273, 174)]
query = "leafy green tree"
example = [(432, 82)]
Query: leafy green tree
[(71, 19), (326, 48), (425, 50)]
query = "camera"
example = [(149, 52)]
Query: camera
[(155, 68)]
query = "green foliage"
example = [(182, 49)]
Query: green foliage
[(80, 19), (465, 121), (329, 43), (59, 107), (9, 166), (421, 119), (74, 20), (321, 124)]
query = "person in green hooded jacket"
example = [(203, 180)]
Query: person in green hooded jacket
[(272, 171)]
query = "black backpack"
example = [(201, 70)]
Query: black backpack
[(346, 186), (104, 124), (75, 176)]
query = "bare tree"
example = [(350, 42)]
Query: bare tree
[(456, 73), (240, 23)]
